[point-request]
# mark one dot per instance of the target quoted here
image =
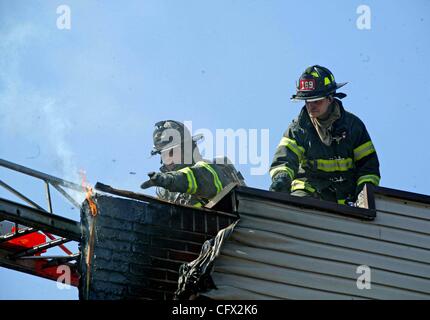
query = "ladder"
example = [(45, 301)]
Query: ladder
[(29, 231)]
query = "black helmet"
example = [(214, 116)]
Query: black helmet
[(317, 83), (169, 134)]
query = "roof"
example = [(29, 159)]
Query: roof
[(284, 248)]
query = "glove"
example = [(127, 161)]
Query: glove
[(157, 179), (281, 183), (351, 204), (358, 202)]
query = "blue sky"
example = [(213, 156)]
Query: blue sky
[(87, 98)]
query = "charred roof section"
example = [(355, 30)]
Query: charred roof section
[(133, 249)]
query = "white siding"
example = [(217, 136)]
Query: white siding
[(280, 251)]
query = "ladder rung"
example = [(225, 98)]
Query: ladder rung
[(36, 249), (62, 258), (14, 235)]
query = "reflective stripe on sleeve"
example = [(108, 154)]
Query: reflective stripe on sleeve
[(372, 178), (293, 146), (217, 181), (301, 185), (282, 168), (192, 183), (364, 150)]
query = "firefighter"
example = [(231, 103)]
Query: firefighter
[(184, 177), (326, 151)]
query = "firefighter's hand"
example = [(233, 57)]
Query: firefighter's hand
[(281, 183), (157, 179)]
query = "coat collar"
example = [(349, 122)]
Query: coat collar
[(305, 121)]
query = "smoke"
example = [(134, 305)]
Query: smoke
[(57, 129), (75, 92), (28, 114)]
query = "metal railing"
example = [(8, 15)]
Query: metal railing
[(49, 180)]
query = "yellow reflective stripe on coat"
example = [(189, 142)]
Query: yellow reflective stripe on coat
[(372, 178), (198, 205), (341, 201), (301, 185), (282, 168), (363, 150), (293, 146), (192, 183), (332, 165), (217, 181)]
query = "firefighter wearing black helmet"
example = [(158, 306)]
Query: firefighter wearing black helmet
[(184, 177), (326, 152)]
